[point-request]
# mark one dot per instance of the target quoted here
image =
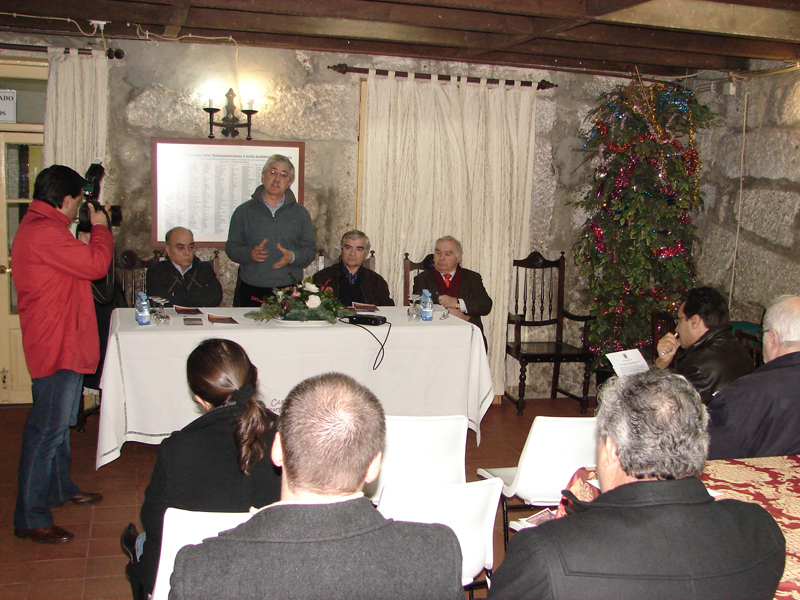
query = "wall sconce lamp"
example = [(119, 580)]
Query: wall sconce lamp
[(230, 122)]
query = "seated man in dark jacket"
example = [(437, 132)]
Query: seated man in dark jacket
[(759, 414), (703, 346), (459, 291), (349, 279), (183, 279), (654, 532), (324, 539)]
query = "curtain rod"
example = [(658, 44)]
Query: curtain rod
[(345, 69), (43, 49)]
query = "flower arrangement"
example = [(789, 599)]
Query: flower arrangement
[(303, 301)]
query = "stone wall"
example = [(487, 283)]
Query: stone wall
[(768, 257)]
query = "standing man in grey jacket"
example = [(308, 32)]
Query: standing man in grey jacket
[(270, 236)]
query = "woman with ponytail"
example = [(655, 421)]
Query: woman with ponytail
[(218, 463)]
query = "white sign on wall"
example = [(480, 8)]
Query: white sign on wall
[(8, 106)]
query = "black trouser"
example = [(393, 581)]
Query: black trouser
[(250, 295)]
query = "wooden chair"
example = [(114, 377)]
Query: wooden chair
[(133, 272), (539, 287), (752, 344), (412, 269), (662, 323)]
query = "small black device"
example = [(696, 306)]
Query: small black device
[(91, 191), (366, 320)]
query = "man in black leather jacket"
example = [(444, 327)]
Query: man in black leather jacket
[(703, 347)]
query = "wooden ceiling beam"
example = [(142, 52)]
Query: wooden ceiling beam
[(659, 39), (584, 50), (339, 28), (392, 12)]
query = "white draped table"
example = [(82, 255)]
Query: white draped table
[(429, 368)]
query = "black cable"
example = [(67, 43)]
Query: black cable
[(382, 352)]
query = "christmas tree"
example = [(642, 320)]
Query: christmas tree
[(637, 247)]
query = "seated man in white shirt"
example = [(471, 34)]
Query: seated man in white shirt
[(183, 279)]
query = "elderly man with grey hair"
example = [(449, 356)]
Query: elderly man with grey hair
[(459, 291), (349, 279), (270, 235), (654, 532), (759, 414)]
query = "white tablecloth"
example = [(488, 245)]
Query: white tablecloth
[(429, 368)]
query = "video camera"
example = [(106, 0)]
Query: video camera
[(91, 191)]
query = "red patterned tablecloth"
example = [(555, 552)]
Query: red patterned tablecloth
[(774, 483)]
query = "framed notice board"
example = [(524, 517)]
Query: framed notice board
[(198, 184)]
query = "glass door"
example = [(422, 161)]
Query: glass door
[(20, 163)]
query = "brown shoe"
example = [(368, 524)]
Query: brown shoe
[(85, 498), (51, 534)]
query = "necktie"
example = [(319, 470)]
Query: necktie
[(447, 277)]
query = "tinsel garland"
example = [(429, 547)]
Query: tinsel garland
[(637, 246)]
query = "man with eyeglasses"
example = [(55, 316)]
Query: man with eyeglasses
[(703, 348), (759, 415)]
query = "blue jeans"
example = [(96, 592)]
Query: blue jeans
[(45, 456)]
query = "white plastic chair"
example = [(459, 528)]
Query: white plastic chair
[(469, 509), (184, 527), (556, 447), (422, 450)]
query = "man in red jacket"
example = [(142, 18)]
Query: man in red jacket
[(52, 273)]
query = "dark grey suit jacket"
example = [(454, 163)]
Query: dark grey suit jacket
[(345, 550), (659, 540), (470, 290)]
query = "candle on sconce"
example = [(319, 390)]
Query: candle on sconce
[(250, 105), (210, 103)]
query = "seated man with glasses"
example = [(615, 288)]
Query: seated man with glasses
[(703, 347), (759, 414)]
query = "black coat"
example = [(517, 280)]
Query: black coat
[(198, 287), (759, 414), (659, 540), (713, 361), (470, 290), (373, 286), (197, 469)]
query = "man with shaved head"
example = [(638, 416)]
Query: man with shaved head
[(324, 539), (183, 279)]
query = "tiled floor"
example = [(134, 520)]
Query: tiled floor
[(92, 565)]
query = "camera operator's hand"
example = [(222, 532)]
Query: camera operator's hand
[(98, 217)]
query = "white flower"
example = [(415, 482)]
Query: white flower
[(313, 301), (310, 287), (279, 294)]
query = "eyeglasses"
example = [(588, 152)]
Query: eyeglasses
[(762, 333)]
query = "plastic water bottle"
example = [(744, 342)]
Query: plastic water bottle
[(426, 306), (142, 309)]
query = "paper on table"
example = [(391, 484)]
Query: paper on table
[(628, 362), (185, 310), (221, 320), (359, 307)]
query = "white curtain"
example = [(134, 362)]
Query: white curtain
[(76, 113), (450, 159)]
